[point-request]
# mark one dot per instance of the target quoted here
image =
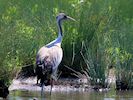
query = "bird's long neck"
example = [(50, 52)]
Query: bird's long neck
[(59, 28), (58, 40)]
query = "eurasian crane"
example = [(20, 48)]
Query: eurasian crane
[(49, 57)]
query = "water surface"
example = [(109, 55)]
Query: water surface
[(110, 95)]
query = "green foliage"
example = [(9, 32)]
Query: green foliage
[(107, 34), (96, 66)]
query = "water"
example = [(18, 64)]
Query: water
[(111, 95)]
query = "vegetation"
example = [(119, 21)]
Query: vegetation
[(101, 37)]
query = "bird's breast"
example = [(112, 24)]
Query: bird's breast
[(56, 54)]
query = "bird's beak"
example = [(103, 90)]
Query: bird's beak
[(68, 17)]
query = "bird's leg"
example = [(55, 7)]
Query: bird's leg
[(42, 89), (52, 83), (37, 80)]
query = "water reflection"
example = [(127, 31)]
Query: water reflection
[(111, 95)]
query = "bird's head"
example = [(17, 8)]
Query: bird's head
[(63, 16)]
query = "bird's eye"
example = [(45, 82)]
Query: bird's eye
[(65, 16)]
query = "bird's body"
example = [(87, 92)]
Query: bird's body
[(49, 57)]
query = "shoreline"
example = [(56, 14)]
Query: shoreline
[(62, 85)]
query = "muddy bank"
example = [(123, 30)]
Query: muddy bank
[(62, 85)]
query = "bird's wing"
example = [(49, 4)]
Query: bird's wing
[(42, 53), (50, 56), (49, 59)]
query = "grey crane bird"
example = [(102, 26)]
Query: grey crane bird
[(49, 57)]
